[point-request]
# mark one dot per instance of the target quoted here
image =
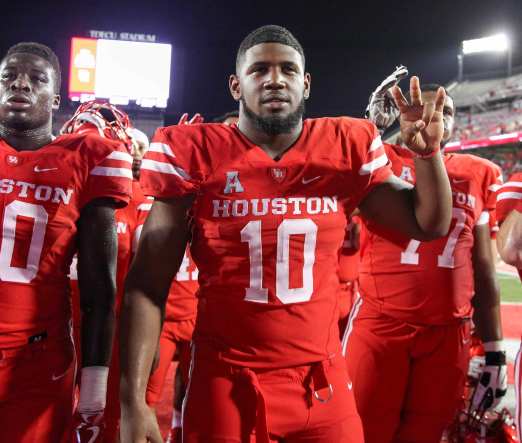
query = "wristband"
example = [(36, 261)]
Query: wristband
[(428, 155), (93, 389)]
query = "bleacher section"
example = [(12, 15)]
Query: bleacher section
[(480, 92)]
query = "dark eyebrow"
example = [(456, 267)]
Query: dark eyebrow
[(262, 64), (38, 71)]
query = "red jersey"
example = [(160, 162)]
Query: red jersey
[(349, 256), (267, 233), (430, 282), (44, 192), (509, 198), (182, 301)]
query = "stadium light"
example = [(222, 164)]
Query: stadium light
[(493, 43)]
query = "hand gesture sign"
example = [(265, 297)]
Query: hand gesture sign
[(184, 120), (422, 125)]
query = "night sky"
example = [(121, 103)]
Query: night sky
[(350, 46)]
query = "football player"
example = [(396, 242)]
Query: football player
[(58, 194), (407, 346), (108, 121), (509, 243), (266, 204)]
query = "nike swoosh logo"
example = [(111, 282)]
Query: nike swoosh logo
[(465, 341), (310, 180), (58, 377), (350, 385), (456, 180), (38, 169)]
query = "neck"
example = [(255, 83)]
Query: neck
[(275, 145), (27, 139)]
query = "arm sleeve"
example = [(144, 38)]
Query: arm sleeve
[(109, 171), (509, 197), (173, 165)]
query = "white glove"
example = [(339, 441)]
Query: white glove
[(492, 385), (476, 366), (381, 109)]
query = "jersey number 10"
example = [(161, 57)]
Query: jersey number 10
[(251, 234)]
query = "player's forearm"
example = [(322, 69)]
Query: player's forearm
[(433, 199), (97, 253), (488, 323), (486, 304), (98, 326), (509, 239), (140, 329)]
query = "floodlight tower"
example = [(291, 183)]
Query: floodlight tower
[(493, 43)]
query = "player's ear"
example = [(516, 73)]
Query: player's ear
[(56, 102), (307, 84), (235, 87)]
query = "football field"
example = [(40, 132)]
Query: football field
[(510, 288)]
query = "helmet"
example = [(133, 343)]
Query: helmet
[(102, 117), (488, 427)]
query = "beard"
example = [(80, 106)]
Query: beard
[(274, 124)]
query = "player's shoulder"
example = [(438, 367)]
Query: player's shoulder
[(348, 125), (474, 161), (88, 143), (479, 167), (198, 135)]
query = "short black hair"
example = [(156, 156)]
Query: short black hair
[(41, 51), (268, 34), (222, 118)]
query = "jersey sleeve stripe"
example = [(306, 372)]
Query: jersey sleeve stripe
[(376, 144), (111, 172), (483, 218), (512, 185), (372, 166), (509, 195), (118, 155), (144, 207), (162, 148), (164, 168)]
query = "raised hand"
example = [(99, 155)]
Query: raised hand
[(422, 126), (184, 119)]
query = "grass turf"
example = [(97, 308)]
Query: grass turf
[(510, 288)]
